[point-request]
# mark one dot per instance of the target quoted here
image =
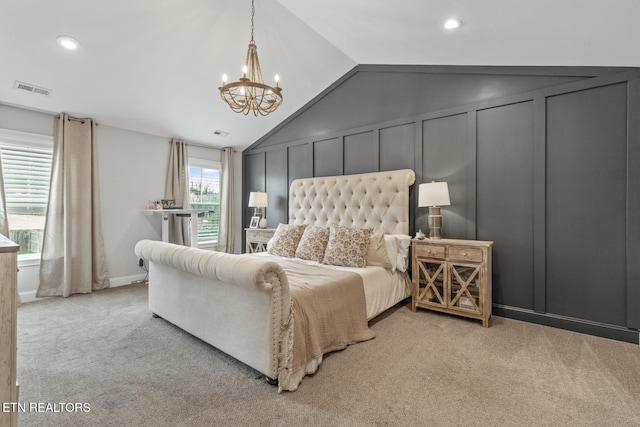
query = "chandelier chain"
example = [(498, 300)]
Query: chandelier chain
[(253, 11)]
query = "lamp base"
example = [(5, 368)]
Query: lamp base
[(435, 222)]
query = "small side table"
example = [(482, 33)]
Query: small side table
[(257, 239), (453, 276)]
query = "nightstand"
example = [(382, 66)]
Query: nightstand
[(257, 239), (452, 276)]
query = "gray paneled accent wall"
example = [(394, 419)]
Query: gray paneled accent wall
[(276, 186), (376, 93), (300, 162), (505, 200), (551, 175), (360, 153), (396, 147), (327, 157), (633, 203), (586, 205), (447, 156)]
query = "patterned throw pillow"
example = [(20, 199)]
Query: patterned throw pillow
[(313, 243), (285, 240), (347, 246)]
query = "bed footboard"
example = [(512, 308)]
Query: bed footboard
[(238, 304)]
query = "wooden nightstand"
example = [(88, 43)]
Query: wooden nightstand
[(257, 239), (452, 276)]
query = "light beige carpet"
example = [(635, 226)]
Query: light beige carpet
[(422, 369)]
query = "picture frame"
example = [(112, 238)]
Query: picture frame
[(255, 220), (168, 203)]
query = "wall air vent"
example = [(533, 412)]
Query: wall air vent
[(221, 133), (32, 88)]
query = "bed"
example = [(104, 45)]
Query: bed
[(262, 308)]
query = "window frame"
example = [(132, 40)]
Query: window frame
[(9, 137), (198, 162)]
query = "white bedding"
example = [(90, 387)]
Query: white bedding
[(382, 288)]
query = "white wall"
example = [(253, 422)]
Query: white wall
[(132, 169), (25, 120)]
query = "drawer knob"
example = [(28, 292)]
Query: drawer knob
[(464, 254)]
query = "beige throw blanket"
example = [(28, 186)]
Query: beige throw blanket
[(329, 313)]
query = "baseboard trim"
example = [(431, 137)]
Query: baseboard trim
[(569, 323), (30, 296), (126, 280)]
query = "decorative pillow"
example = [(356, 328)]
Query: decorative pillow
[(285, 240), (313, 243), (401, 243), (347, 246), (377, 252), (392, 251)]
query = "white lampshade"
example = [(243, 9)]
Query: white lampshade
[(258, 200), (433, 194)]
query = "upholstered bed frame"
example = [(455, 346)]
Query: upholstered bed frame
[(379, 201), (241, 304)]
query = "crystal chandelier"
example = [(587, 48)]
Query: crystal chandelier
[(250, 94)]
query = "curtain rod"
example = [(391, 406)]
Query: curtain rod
[(76, 119), (195, 144)]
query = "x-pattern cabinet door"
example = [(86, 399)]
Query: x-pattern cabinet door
[(452, 276), (431, 283)]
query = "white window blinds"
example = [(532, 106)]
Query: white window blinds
[(26, 169), (27, 172)]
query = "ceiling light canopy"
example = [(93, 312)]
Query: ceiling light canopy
[(250, 93), (67, 42), (452, 23)]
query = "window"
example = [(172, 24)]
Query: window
[(204, 193), (26, 169)]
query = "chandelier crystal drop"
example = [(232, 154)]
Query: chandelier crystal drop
[(250, 93)]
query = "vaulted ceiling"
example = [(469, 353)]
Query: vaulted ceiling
[(154, 66)]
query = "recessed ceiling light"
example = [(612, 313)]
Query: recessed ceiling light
[(68, 42), (452, 23)]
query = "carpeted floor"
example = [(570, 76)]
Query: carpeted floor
[(423, 369)]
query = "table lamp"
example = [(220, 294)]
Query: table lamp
[(258, 200), (434, 194)]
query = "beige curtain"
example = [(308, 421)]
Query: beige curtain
[(73, 259), (226, 232), (4, 220), (177, 189)]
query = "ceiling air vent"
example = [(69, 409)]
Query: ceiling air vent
[(220, 133), (32, 88)]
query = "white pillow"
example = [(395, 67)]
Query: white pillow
[(392, 251), (377, 253), (401, 243)]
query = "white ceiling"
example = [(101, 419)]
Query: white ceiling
[(154, 66)]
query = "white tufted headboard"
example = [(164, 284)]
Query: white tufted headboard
[(379, 200)]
